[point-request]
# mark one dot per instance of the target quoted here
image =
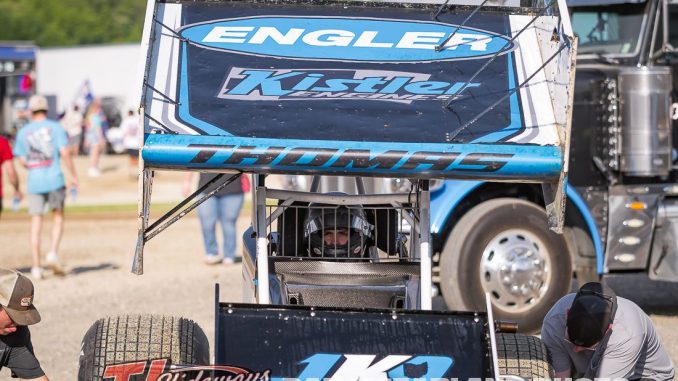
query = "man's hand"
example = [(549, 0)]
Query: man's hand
[(18, 195), (73, 183)]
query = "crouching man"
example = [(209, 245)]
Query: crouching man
[(595, 334), (16, 313)]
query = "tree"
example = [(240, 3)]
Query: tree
[(72, 22)]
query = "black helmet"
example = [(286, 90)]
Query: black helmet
[(323, 218)]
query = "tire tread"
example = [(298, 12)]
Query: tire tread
[(127, 338), (523, 355)]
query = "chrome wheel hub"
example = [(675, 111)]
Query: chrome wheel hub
[(515, 269)]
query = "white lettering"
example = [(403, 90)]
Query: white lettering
[(360, 367), (338, 37), (233, 34), (366, 40), (335, 37), (420, 40), (265, 32), (477, 42)]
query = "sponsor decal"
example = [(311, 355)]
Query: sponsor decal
[(323, 366), (351, 158), (346, 39), (162, 370), (332, 84), (355, 367)]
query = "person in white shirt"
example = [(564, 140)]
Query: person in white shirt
[(72, 122), (131, 139)]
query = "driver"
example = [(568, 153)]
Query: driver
[(332, 231)]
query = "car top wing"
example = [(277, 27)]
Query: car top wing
[(358, 88)]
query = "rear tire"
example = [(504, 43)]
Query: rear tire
[(127, 338), (524, 356), (498, 245)]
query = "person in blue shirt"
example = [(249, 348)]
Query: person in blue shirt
[(41, 146)]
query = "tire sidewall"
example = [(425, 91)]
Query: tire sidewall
[(485, 222)]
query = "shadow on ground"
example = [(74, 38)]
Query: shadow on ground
[(79, 269), (99, 267)]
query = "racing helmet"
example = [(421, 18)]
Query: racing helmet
[(336, 231)]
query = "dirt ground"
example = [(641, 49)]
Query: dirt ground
[(98, 246)]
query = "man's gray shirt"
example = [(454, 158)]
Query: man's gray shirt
[(632, 352)]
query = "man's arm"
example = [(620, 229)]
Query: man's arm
[(553, 338), (188, 184), (8, 167), (65, 153), (24, 365)]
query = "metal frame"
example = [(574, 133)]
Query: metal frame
[(146, 233), (493, 336), (260, 223)]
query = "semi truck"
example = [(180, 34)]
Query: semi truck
[(622, 210)]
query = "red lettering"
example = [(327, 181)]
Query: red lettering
[(122, 372), (156, 369)]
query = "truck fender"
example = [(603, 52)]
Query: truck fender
[(585, 212), (445, 200)]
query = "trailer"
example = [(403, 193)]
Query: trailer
[(17, 83), (338, 285)]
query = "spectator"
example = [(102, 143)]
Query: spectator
[(17, 312), (72, 122), (40, 146), (94, 136), (224, 207), (131, 140), (7, 166), (595, 334)]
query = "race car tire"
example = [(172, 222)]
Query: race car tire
[(507, 242), (524, 356), (128, 338)]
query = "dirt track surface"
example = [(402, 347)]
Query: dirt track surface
[(97, 249)]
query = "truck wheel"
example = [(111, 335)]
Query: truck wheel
[(524, 356), (121, 339), (504, 246)]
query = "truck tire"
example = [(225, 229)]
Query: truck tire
[(127, 338), (524, 356), (504, 246)]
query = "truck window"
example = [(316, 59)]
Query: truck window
[(609, 29)]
